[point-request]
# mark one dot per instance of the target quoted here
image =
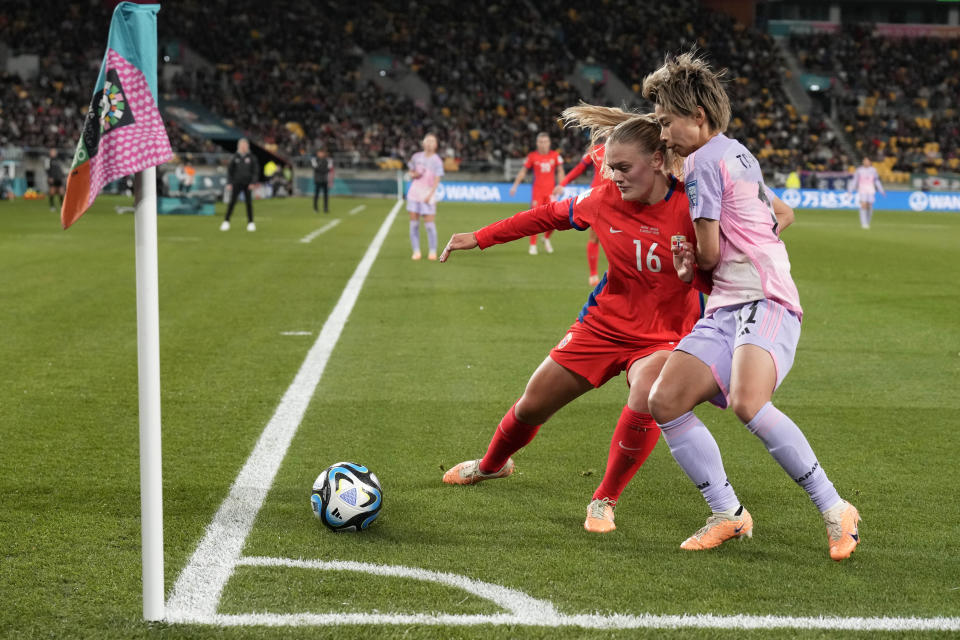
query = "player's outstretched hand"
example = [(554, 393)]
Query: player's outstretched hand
[(558, 191), (685, 261), (459, 241)]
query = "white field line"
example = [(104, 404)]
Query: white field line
[(200, 584), (528, 611), (357, 209), (196, 594), (313, 234)]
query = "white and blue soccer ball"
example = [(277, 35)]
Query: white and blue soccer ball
[(346, 497)]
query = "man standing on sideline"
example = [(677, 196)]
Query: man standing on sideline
[(322, 178), (241, 173), (55, 178)]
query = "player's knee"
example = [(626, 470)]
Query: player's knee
[(746, 405), (529, 411), (662, 404)]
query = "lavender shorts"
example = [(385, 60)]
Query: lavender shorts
[(423, 208), (765, 323)]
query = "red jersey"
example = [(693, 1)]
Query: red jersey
[(640, 299), (593, 158), (544, 166)]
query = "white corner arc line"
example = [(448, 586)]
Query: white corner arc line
[(357, 209), (313, 234), (197, 590)]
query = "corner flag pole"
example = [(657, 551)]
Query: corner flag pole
[(148, 367)]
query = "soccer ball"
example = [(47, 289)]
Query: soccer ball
[(346, 497)]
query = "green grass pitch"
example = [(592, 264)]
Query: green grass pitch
[(428, 362)]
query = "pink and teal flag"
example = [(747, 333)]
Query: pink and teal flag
[(123, 133)]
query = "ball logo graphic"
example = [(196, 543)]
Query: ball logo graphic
[(438, 194), (919, 201), (791, 197)]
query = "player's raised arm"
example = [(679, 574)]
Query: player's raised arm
[(516, 183)]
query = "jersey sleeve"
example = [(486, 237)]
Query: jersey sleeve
[(528, 163), (551, 216), (438, 166), (585, 162), (704, 187)]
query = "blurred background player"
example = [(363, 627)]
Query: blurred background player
[(55, 177), (243, 170), (322, 165), (547, 166), (426, 169), (635, 214), (866, 182), (593, 158)]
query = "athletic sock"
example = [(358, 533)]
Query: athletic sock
[(693, 447), (633, 439), (788, 446), (415, 234), (533, 239), (432, 236), (548, 233), (593, 257), (511, 436)]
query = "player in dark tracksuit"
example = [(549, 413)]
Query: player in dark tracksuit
[(241, 173), (55, 177), (322, 177)]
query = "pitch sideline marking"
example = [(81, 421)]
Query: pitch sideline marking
[(528, 611), (313, 234), (197, 590), (357, 209)]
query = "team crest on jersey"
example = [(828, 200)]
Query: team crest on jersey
[(566, 340), (692, 192)]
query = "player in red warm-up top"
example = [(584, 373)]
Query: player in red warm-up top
[(593, 158), (547, 167)]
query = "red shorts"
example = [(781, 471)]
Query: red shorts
[(599, 359), (541, 198)]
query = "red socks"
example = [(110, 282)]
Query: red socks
[(593, 256), (634, 438), (511, 436)]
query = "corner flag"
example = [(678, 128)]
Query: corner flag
[(123, 133)]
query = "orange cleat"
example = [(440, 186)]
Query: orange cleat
[(432, 255), (842, 529), (720, 527), (594, 281), (469, 473), (600, 516), (416, 255)]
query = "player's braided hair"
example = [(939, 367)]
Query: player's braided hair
[(686, 82), (613, 125)]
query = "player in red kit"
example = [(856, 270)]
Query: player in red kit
[(593, 158), (631, 321), (547, 167)]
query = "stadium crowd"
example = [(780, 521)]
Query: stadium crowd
[(898, 96), (496, 74)]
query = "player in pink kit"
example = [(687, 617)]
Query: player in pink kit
[(426, 169), (742, 348), (866, 182), (547, 167), (593, 158), (630, 322)]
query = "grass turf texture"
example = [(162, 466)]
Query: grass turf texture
[(429, 361)]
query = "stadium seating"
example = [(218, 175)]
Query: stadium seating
[(496, 72)]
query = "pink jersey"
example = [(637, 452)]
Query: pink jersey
[(865, 181), (430, 168), (724, 183)]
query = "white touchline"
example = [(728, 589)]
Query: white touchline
[(196, 593), (357, 209), (522, 609), (198, 588), (313, 234)]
